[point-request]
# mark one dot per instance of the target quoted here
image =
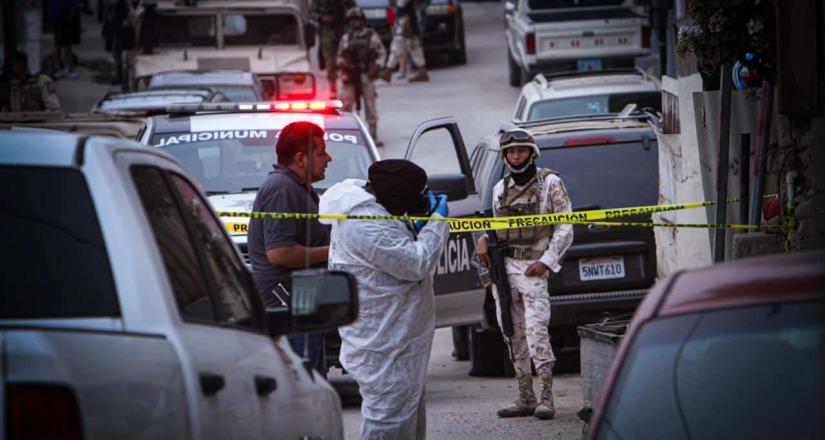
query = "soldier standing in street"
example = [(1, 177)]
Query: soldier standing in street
[(532, 254), (407, 36), (360, 55), (329, 14), (22, 92)]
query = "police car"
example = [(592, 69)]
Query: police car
[(229, 149)]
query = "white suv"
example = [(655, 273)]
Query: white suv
[(582, 93), (126, 312)]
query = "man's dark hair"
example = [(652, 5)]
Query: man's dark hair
[(294, 138)]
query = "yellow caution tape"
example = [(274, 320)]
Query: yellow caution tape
[(597, 217), (682, 225)]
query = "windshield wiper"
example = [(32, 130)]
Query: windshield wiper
[(216, 193), (251, 188)]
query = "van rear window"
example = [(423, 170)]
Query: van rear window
[(608, 176), (55, 263)]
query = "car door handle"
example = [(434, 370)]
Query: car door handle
[(211, 383), (265, 385)]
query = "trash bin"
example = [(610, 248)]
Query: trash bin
[(599, 344)]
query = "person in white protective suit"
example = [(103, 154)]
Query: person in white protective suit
[(387, 349)]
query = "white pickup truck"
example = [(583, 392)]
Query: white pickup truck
[(546, 36), (126, 312)]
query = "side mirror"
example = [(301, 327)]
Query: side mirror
[(309, 34), (509, 7), (453, 185), (322, 300)]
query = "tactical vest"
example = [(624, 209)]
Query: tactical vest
[(524, 201), (359, 53)]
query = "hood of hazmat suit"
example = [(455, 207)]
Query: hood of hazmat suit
[(386, 350)]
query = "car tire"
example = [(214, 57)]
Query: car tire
[(524, 77), (488, 354), (515, 71), (461, 342)]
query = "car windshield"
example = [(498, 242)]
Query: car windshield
[(185, 31), (230, 161), (259, 29), (753, 372), (582, 105)]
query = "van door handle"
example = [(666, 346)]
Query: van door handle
[(211, 383), (265, 385)]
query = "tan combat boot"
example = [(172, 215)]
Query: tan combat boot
[(525, 405), (546, 409), (374, 134), (421, 75)]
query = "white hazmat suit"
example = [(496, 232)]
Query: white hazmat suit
[(387, 349)]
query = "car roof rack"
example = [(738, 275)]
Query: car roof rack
[(544, 79), (626, 114)]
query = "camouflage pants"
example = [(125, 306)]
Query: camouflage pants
[(530, 310), (329, 51), (400, 43), (346, 93)]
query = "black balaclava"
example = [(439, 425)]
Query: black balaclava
[(398, 185), (525, 176)]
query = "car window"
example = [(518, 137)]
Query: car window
[(259, 29), (238, 160), (57, 265), (239, 93), (234, 305), (182, 266), (754, 372), (185, 30), (582, 105), (608, 176)]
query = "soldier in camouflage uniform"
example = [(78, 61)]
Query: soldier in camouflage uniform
[(329, 14), (360, 55), (22, 92), (407, 36), (533, 254)]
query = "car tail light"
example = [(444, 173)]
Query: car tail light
[(530, 43), (646, 36), (595, 140), (42, 411)]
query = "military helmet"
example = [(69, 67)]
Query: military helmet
[(355, 12), (518, 137)]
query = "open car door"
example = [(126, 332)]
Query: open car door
[(459, 297)]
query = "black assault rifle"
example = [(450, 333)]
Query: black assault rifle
[(498, 275)]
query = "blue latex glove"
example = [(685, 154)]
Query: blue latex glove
[(441, 208)]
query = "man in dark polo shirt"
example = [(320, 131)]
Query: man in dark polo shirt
[(278, 247)]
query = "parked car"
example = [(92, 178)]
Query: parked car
[(443, 26), (129, 127), (734, 350), (155, 101), (229, 149), (545, 36), (581, 93), (125, 310), (235, 85), (605, 161)]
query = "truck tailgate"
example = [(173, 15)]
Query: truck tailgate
[(126, 385), (589, 38)]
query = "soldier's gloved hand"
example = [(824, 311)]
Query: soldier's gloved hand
[(373, 71), (537, 269)]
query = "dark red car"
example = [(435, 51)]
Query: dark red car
[(735, 350)]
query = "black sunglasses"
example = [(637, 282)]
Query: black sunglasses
[(515, 136)]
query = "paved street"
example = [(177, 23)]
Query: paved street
[(478, 96)]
